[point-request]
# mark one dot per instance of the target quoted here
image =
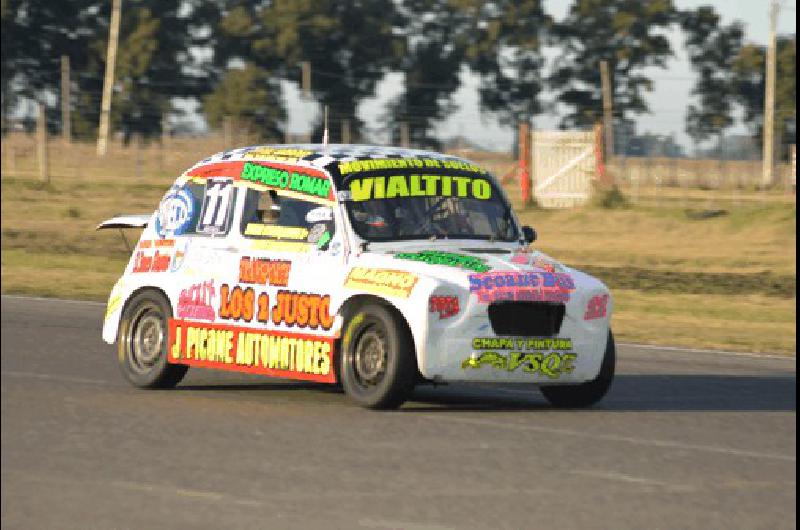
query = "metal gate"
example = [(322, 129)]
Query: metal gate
[(563, 165)]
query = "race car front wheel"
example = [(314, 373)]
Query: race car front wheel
[(377, 363), (142, 343), (588, 393)]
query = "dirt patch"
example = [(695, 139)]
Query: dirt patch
[(728, 283)]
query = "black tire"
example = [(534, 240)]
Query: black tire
[(377, 364), (588, 393), (143, 340)]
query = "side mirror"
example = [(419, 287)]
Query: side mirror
[(528, 234)]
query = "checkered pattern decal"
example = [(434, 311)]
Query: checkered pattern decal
[(322, 156)]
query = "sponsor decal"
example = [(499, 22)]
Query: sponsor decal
[(522, 286), (114, 303), (321, 214), (302, 310), (178, 259), (451, 259), (381, 281), (114, 299), (287, 178), (323, 240), (359, 166), (291, 308), (238, 303), (263, 271), (351, 326), (276, 231), (251, 350), (597, 307), (369, 188), (175, 211), (537, 261), (277, 153), (151, 256), (534, 356), (446, 306), (195, 301), (314, 235), (274, 245), (521, 258)]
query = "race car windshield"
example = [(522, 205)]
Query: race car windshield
[(399, 205)]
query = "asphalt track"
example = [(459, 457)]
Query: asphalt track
[(684, 440)]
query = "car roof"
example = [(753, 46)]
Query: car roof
[(319, 155)]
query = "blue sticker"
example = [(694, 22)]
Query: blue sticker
[(175, 212)]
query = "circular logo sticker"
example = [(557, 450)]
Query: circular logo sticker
[(175, 212)]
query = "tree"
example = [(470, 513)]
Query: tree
[(749, 82), (712, 49), (155, 62), (503, 43), (350, 46), (250, 98), (626, 33), (35, 33), (431, 68)]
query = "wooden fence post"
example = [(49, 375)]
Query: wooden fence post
[(41, 143), (524, 141)]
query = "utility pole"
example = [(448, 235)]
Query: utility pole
[(345, 131), (305, 82), (66, 123), (608, 111), (108, 82), (769, 100), (405, 140)]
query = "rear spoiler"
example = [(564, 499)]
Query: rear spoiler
[(125, 221)]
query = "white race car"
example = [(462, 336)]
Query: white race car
[(370, 267)]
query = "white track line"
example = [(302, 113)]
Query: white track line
[(679, 349), (61, 378), (62, 300)]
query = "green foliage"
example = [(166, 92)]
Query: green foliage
[(749, 82), (712, 51), (431, 66), (629, 35), (610, 198), (350, 46), (503, 46), (233, 55), (250, 98)]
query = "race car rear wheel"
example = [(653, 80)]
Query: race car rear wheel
[(142, 344), (588, 393), (377, 363)]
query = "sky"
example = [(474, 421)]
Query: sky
[(667, 102)]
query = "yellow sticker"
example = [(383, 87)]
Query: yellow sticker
[(276, 231), (389, 187), (277, 153), (381, 281), (280, 246)]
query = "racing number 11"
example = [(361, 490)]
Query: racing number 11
[(216, 205)]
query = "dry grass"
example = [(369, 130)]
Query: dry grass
[(50, 247)]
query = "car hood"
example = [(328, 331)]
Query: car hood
[(465, 263)]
